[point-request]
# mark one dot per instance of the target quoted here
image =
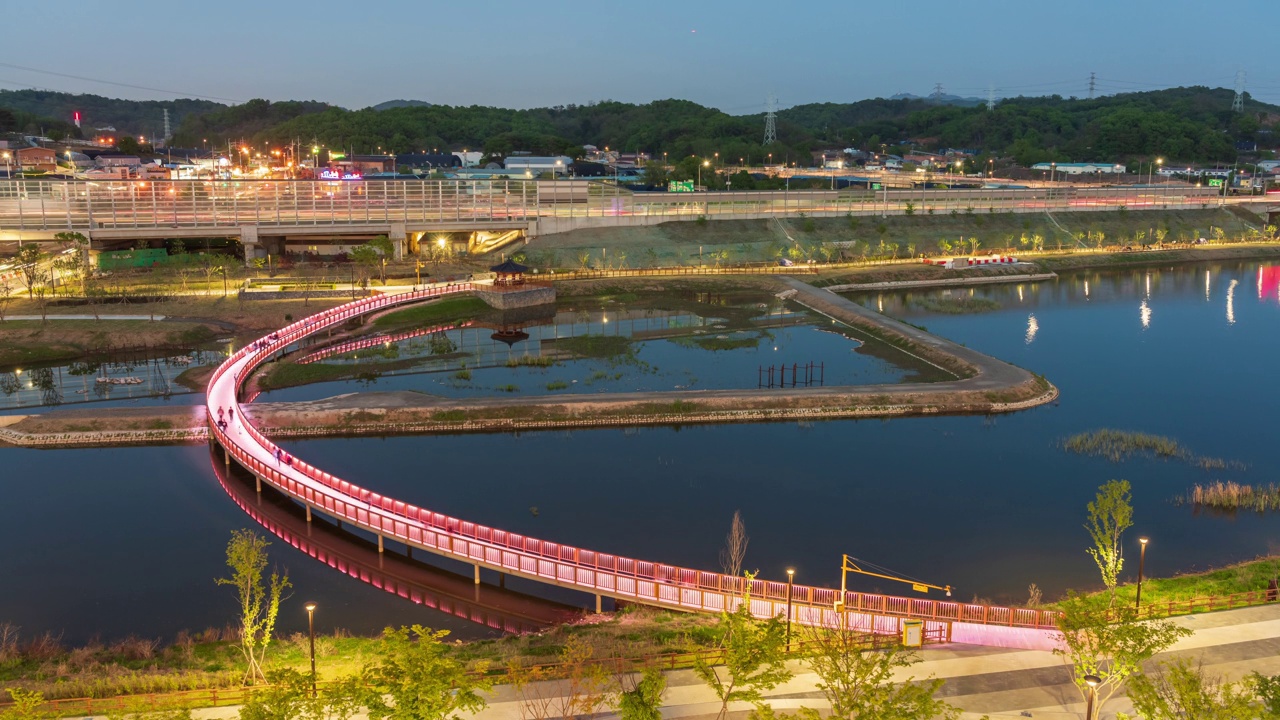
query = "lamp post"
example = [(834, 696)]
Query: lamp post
[(8, 165), (1053, 166), (1093, 681), (791, 576), (705, 163), (1142, 562), (311, 633)]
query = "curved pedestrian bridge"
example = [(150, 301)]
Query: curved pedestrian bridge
[(599, 574)]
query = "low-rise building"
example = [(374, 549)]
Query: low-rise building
[(558, 164), (35, 159), (1081, 168)]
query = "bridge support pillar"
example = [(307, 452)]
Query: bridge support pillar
[(502, 580), (399, 240), (249, 238), (597, 604), (308, 507), (226, 455), (257, 481), (477, 567), (380, 548)]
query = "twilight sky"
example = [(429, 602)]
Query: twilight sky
[(723, 53)]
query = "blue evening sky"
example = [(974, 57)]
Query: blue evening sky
[(727, 54)]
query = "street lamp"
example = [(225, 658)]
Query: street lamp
[(1053, 166), (1093, 681), (311, 632), (705, 163), (791, 576), (1142, 562), (8, 166)]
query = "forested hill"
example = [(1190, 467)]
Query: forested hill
[(1193, 124), (134, 117)]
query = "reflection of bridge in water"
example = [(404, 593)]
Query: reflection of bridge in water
[(596, 573), (351, 555)]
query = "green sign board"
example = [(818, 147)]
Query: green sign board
[(875, 186), (680, 186), (1215, 183)]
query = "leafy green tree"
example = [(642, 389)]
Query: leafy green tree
[(128, 145), (413, 668), (1110, 514), (1109, 642), (1181, 691), (30, 258), (289, 697), (641, 699), (259, 602), (859, 682), (754, 657), (26, 704)]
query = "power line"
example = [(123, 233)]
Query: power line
[(118, 84)]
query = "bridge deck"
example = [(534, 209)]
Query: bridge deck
[(600, 574)]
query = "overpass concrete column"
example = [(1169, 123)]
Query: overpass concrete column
[(399, 239), (249, 238)]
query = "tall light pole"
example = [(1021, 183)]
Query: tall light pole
[(1142, 562), (705, 163), (791, 576), (311, 632), (1053, 166), (1093, 681)]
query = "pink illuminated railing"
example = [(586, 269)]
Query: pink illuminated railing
[(587, 570), (366, 343)]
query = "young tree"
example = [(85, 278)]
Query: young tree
[(259, 603), (859, 683), (422, 681), (29, 259), (586, 688), (6, 295), (754, 658), (289, 697), (641, 696), (1180, 691), (735, 546), (1110, 514), (1109, 642)]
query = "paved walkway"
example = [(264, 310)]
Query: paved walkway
[(981, 681)]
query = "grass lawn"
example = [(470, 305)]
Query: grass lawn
[(436, 312), (1251, 576)]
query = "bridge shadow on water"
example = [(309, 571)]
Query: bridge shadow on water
[(356, 557)]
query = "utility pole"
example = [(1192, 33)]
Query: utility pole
[(1093, 78), (1237, 105), (771, 120)]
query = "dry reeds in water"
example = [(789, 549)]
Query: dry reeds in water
[(1234, 496)]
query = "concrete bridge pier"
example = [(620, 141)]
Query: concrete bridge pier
[(477, 567), (597, 604), (399, 240), (249, 238), (257, 481), (380, 547), (308, 507)]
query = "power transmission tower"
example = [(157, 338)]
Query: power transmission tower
[(937, 91), (991, 98), (1093, 78), (1237, 105), (771, 120)]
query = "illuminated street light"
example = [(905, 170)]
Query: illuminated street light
[(1093, 681), (311, 632), (791, 576), (1142, 562), (705, 163)]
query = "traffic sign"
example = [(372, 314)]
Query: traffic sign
[(680, 186)]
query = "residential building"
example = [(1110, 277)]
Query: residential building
[(558, 164), (35, 159)]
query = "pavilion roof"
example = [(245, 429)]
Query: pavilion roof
[(510, 267)]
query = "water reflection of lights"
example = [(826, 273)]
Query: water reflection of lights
[(1148, 284), (1033, 327), (1019, 293), (1206, 285), (1144, 312), (1086, 288), (1231, 302), (880, 302)]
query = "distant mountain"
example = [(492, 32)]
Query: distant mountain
[(943, 99), (128, 117), (241, 122), (400, 104)]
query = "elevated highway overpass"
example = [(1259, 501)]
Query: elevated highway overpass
[(263, 214)]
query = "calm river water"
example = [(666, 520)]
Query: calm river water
[(129, 540)]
